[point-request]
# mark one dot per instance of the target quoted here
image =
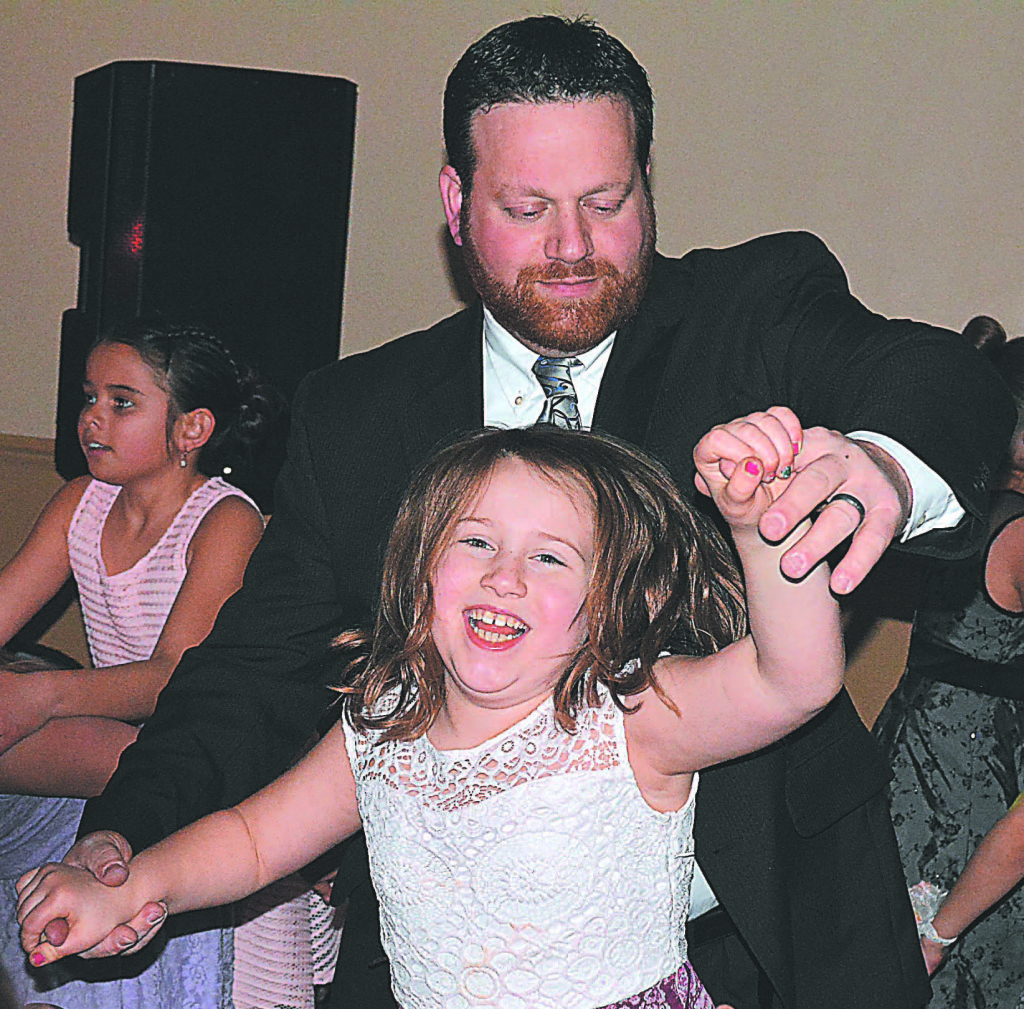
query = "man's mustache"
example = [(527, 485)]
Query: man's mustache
[(590, 269)]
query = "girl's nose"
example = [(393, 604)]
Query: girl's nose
[(505, 577), (89, 416)]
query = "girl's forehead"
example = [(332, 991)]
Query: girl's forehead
[(119, 364), (515, 471)]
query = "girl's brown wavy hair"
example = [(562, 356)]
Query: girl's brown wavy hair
[(663, 578)]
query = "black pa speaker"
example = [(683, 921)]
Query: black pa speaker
[(215, 194)]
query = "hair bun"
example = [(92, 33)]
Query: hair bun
[(985, 334)]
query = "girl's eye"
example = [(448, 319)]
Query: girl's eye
[(551, 559), (88, 398), (476, 542), (123, 403)]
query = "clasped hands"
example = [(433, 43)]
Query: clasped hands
[(800, 473), (820, 474)]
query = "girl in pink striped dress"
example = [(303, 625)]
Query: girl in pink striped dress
[(156, 542)]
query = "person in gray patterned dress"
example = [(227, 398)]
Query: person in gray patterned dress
[(954, 727)]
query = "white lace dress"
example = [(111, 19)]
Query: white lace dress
[(525, 873)]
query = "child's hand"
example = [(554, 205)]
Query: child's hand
[(52, 891), (743, 465)]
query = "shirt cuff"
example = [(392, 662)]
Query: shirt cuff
[(934, 505)]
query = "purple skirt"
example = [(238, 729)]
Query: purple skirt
[(682, 990)]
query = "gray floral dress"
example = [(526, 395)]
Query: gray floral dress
[(958, 757)]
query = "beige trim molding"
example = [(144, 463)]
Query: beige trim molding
[(26, 447)]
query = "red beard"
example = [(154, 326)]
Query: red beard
[(562, 326)]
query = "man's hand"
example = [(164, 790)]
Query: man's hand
[(106, 855), (829, 464)]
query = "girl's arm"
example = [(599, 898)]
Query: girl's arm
[(29, 580), (219, 859), (791, 664), (994, 869), (35, 573), (218, 554)]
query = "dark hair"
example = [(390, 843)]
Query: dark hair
[(542, 59), (1007, 356), (197, 370), (662, 577)]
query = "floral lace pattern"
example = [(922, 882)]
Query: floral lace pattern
[(525, 873)]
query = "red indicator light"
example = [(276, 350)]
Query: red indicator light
[(135, 237)]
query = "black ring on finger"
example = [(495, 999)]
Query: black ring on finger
[(850, 500)]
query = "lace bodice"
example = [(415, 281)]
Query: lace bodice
[(527, 872)]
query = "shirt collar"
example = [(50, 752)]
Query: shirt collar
[(501, 346)]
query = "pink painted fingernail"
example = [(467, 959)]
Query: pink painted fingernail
[(753, 467), (37, 959)]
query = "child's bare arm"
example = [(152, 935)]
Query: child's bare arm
[(216, 860), (994, 869), (791, 664), (794, 624)]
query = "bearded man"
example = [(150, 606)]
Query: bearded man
[(548, 127)]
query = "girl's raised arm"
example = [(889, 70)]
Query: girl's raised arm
[(791, 663), (217, 860)]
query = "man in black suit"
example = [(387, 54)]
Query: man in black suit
[(548, 128)]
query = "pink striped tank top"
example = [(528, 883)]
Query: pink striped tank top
[(125, 613)]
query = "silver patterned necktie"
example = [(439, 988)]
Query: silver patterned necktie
[(560, 406)]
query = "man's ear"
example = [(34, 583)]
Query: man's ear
[(451, 197), (192, 430)]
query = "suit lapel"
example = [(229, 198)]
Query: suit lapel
[(636, 369), (449, 395)]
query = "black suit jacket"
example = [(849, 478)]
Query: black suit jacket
[(795, 840)]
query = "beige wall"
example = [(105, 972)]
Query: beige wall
[(893, 130)]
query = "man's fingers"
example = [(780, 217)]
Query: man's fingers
[(869, 543), (808, 489), (105, 854), (56, 932), (132, 936), (867, 546), (122, 939)]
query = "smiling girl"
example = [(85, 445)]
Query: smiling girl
[(517, 743)]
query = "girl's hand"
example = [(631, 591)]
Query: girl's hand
[(90, 909), (934, 953), (743, 465)]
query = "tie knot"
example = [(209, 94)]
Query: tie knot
[(560, 405)]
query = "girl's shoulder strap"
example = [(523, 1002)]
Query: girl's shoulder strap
[(201, 500), (94, 504)]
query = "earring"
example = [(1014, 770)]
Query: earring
[(183, 461)]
